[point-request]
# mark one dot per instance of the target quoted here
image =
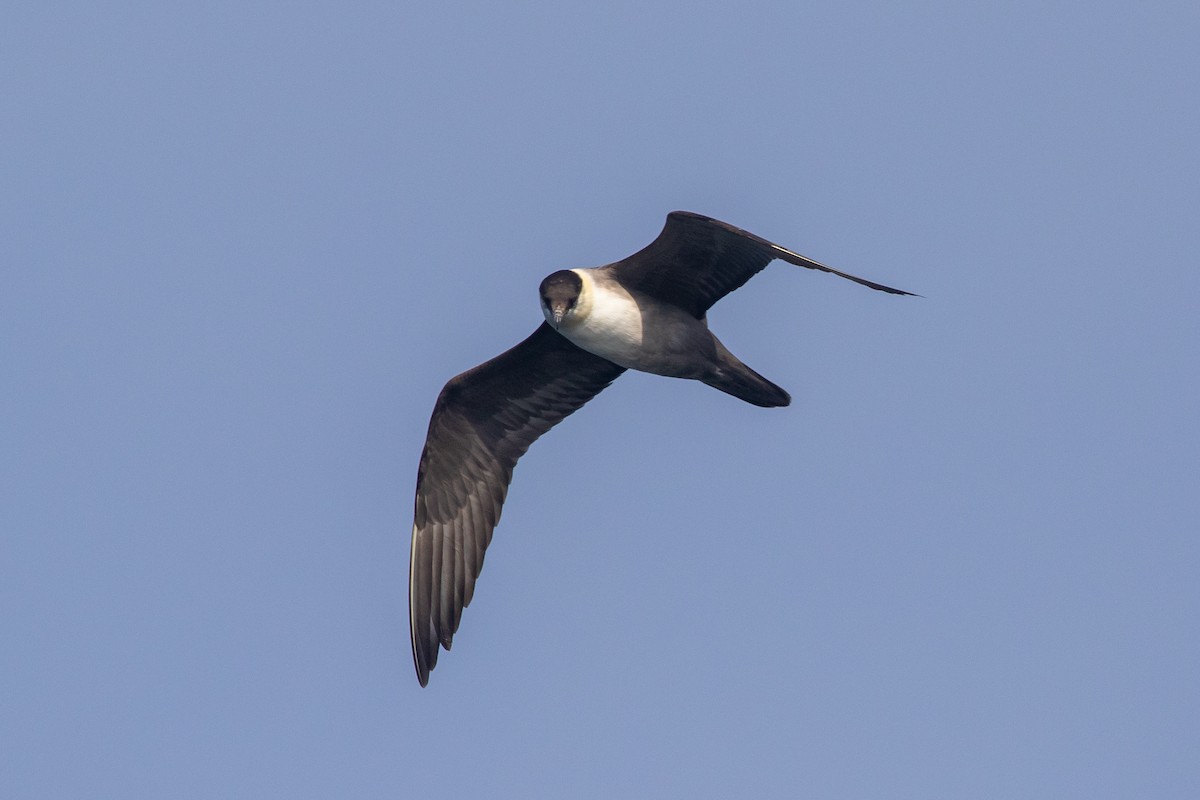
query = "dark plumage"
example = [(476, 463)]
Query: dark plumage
[(644, 312)]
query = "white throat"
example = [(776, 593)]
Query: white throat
[(606, 320)]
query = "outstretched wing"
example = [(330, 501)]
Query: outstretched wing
[(484, 420), (697, 260)]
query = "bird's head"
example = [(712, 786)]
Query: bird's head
[(560, 294)]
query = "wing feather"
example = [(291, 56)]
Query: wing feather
[(483, 421), (697, 260)]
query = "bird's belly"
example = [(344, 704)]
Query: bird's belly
[(637, 333)]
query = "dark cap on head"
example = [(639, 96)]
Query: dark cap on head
[(559, 292), (562, 285)]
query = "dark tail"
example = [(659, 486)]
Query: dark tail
[(735, 378)]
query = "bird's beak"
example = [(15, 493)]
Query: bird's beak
[(558, 311)]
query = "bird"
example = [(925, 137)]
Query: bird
[(647, 312)]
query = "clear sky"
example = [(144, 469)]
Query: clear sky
[(244, 245)]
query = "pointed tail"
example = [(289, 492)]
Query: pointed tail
[(733, 377)]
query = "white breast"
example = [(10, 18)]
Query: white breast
[(606, 321)]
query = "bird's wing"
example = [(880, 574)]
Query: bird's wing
[(697, 260), (483, 421)]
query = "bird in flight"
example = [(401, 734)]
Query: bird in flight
[(645, 312)]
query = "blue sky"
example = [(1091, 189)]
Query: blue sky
[(244, 245)]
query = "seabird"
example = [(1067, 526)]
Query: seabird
[(646, 312)]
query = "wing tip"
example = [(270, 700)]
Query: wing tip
[(419, 660), (891, 290), (804, 261)]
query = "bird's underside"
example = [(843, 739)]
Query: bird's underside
[(486, 418)]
